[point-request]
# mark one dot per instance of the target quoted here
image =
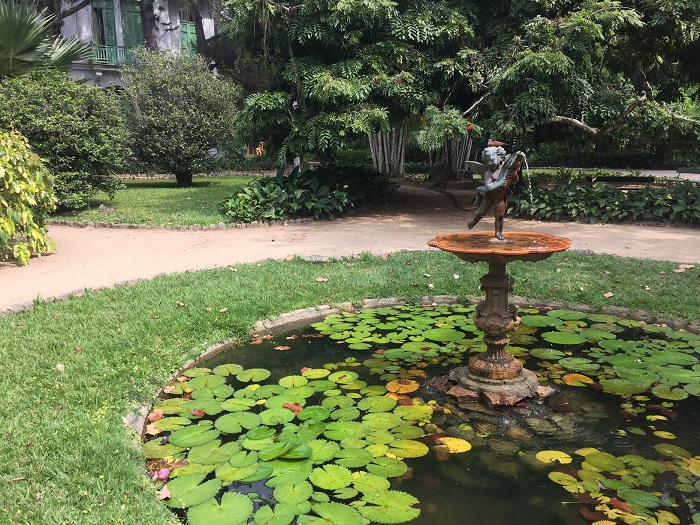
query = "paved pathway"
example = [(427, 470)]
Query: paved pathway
[(103, 257)]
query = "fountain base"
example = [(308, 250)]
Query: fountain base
[(497, 392)]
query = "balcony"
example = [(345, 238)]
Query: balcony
[(113, 55)]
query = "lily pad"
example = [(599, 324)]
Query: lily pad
[(641, 498), (293, 493), (187, 491), (563, 338), (332, 514), (672, 451), (406, 448), (541, 321), (625, 386), (443, 335), (387, 467), (567, 315), (193, 436), (276, 416), (235, 422), (390, 506), (213, 453), (281, 515), (331, 477), (206, 381), (314, 413), (547, 353), (377, 404), (370, 483), (235, 509), (553, 456), (253, 374), (666, 392), (604, 461)]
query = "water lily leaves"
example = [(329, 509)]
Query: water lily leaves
[(340, 430), (331, 403), (235, 509), (406, 448), (193, 436), (282, 515), (577, 380), (553, 456), (282, 400), (213, 453), (353, 458), (414, 412), (547, 353), (443, 335), (597, 335), (253, 374), (206, 381), (172, 423), (366, 482), (314, 413), (315, 373), (666, 392), (343, 376), (322, 450), (563, 338), (625, 386), (403, 386), (235, 422), (293, 381), (390, 506), (230, 369), (579, 364), (377, 404), (540, 321), (331, 477), (332, 514), (604, 461), (186, 491), (238, 404), (561, 478), (293, 493), (672, 451), (154, 450), (276, 416), (194, 372), (274, 450), (640, 498), (387, 467)]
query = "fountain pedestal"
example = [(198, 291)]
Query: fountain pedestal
[(496, 374)]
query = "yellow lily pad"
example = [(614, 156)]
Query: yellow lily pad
[(402, 386), (553, 456), (455, 445), (663, 434)]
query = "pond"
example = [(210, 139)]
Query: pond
[(353, 420)]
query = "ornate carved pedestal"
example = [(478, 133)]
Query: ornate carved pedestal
[(496, 374)]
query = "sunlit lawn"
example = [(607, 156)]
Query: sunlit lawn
[(159, 201)]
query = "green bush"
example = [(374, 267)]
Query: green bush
[(179, 111), (78, 129), (25, 199), (323, 192), (600, 203)]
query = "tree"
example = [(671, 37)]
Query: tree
[(27, 43), (347, 68), (179, 111)]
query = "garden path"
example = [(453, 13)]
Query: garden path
[(103, 257)]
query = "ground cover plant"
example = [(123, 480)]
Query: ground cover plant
[(73, 369), (155, 202)]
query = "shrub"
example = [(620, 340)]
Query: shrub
[(179, 111), (592, 203), (78, 129), (323, 192), (25, 199)]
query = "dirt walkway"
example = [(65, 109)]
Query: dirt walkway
[(102, 257)]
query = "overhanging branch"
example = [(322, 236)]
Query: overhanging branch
[(74, 9)]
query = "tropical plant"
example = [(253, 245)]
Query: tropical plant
[(179, 111), (27, 43), (25, 199), (79, 130)]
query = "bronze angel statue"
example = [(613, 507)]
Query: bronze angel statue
[(500, 172)]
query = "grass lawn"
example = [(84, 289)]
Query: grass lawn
[(71, 370), (159, 201)]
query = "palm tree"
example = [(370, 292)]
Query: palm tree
[(27, 43)]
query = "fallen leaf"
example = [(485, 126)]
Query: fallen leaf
[(169, 389), (39, 496), (198, 412), (266, 337), (431, 285), (155, 415), (426, 275), (256, 341), (402, 386), (606, 272), (180, 303), (163, 493), (60, 367), (155, 317), (608, 295), (455, 276), (306, 369), (295, 336), (78, 350), (321, 279), (19, 479), (294, 407), (223, 310), (684, 267), (208, 308), (283, 348), (152, 430)]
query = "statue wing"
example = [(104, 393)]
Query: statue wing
[(476, 167)]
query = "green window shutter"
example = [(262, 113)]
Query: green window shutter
[(132, 26), (188, 36)]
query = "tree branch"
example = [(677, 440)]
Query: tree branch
[(474, 105), (74, 9), (559, 119)]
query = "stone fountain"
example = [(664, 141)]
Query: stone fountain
[(495, 374)]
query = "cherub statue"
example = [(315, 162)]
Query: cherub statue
[(500, 172)]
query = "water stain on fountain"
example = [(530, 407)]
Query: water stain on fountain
[(496, 376)]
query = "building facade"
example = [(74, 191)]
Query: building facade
[(115, 28)]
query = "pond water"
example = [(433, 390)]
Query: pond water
[(615, 442)]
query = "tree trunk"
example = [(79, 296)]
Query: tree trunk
[(184, 180), (150, 31), (389, 150), (454, 153), (199, 29)]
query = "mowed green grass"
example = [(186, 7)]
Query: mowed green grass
[(160, 202), (71, 370)]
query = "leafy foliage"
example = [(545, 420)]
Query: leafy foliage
[(179, 111), (25, 199), (77, 128), (323, 192), (27, 43), (592, 203)]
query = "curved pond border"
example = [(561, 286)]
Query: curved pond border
[(286, 321)]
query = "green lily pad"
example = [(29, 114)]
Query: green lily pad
[(238, 404), (406, 448), (331, 477), (323, 450), (563, 338), (235, 422), (547, 353), (625, 386), (213, 453), (266, 391), (253, 374), (540, 321), (666, 392), (693, 390), (281, 515), (314, 413), (276, 402), (597, 335), (274, 450), (234, 509), (172, 423), (390, 506), (154, 450), (316, 373), (443, 335), (579, 364), (231, 369), (672, 451), (343, 376), (331, 403), (186, 491), (276, 416), (332, 514), (193, 436), (387, 467), (206, 381), (346, 414), (641, 498), (293, 493), (414, 412), (377, 404), (604, 461), (407, 432), (567, 315), (194, 372), (340, 430), (353, 457), (371, 483), (321, 385)]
